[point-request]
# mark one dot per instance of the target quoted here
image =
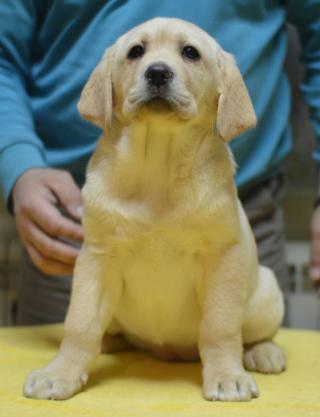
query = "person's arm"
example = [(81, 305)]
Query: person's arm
[(37, 192), (305, 16), (20, 147)]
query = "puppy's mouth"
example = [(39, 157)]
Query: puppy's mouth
[(160, 100)]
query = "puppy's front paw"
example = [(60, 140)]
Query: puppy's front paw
[(53, 385), (265, 357), (234, 387)]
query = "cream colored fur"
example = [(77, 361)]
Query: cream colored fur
[(169, 263)]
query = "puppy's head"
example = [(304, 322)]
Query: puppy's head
[(168, 68)]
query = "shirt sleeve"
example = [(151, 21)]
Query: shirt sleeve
[(20, 147), (305, 16)]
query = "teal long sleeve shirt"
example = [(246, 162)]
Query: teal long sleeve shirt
[(49, 47)]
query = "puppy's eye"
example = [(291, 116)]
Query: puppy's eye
[(136, 52), (190, 52)]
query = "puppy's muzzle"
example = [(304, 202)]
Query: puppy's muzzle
[(159, 89), (158, 75)]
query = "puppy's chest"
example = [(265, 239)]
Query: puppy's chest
[(137, 229), (162, 249), (161, 192)]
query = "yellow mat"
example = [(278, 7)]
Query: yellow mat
[(138, 385)]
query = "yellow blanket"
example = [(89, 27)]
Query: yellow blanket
[(137, 385)]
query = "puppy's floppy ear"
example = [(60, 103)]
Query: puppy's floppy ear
[(235, 112), (95, 103)]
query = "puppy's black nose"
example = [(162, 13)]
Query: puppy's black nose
[(158, 74)]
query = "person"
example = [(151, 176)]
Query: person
[(47, 51)]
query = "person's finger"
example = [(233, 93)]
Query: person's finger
[(49, 247), (314, 272), (48, 266), (68, 196), (314, 266), (52, 222)]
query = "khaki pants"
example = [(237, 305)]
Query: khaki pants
[(263, 206), (44, 299)]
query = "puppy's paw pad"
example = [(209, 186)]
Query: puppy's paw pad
[(50, 385), (265, 357), (241, 387)]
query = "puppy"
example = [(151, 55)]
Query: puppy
[(169, 263)]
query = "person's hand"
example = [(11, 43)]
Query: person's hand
[(38, 197), (314, 269)]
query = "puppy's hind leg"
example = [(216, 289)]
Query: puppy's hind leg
[(93, 300), (113, 343), (262, 321)]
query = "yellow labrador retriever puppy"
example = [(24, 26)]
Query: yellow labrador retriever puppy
[(169, 263)]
